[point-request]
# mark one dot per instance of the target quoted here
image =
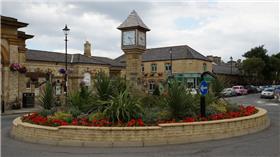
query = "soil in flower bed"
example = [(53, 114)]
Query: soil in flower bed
[(36, 118)]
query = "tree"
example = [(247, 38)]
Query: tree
[(254, 70), (257, 52), (275, 66), (253, 67)]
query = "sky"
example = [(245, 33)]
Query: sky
[(220, 28)]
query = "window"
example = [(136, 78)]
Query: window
[(168, 67), (152, 86), (204, 67), (142, 68), (154, 68), (28, 84)]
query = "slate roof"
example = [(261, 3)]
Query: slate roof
[(162, 53), (133, 20), (225, 69), (48, 56)]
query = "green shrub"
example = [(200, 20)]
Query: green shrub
[(211, 110), (180, 102), (155, 114), (62, 116), (47, 99), (96, 116), (119, 85), (217, 87), (82, 100), (164, 115), (153, 101), (46, 112), (123, 107), (75, 112), (232, 107), (156, 91), (103, 86)]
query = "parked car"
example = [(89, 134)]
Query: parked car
[(268, 93), (240, 90), (251, 89), (228, 92), (192, 91), (277, 92), (261, 88)]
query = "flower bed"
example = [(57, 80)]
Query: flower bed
[(163, 134), (36, 118)]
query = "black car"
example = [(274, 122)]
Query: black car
[(251, 89)]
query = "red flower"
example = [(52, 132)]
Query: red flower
[(189, 119), (132, 122), (140, 122), (74, 122)]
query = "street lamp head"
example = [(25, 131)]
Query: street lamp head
[(230, 58), (66, 30)]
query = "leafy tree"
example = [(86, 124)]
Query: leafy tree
[(253, 66), (275, 66), (256, 52)]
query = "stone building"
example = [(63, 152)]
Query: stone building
[(12, 53), (182, 62), (228, 72), (155, 65), (38, 65)]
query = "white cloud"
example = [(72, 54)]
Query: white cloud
[(224, 28)]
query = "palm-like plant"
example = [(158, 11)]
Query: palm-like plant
[(47, 98), (81, 100), (123, 107), (180, 102), (103, 86)]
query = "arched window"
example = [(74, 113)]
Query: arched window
[(204, 67), (87, 79)]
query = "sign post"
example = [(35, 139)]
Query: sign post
[(203, 88)]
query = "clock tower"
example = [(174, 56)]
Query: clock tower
[(133, 43)]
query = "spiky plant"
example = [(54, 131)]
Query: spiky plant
[(180, 102), (123, 107), (103, 86), (47, 99)]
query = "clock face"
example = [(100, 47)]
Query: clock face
[(142, 38), (129, 38)]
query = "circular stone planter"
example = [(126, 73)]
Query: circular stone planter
[(169, 133)]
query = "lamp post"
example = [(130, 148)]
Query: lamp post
[(66, 30), (230, 65), (171, 67)]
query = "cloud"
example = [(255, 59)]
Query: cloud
[(223, 28)]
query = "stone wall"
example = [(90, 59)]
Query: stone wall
[(74, 78), (179, 66), (170, 133)]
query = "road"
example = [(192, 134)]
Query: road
[(262, 144)]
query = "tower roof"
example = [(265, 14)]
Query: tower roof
[(133, 21)]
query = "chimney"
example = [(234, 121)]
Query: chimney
[(210, 57), (87, 49)]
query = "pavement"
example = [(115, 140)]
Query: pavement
[(261, 144), (20, 111)]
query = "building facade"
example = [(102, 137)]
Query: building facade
[(12, 53), (181, 62), (155, 65)]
